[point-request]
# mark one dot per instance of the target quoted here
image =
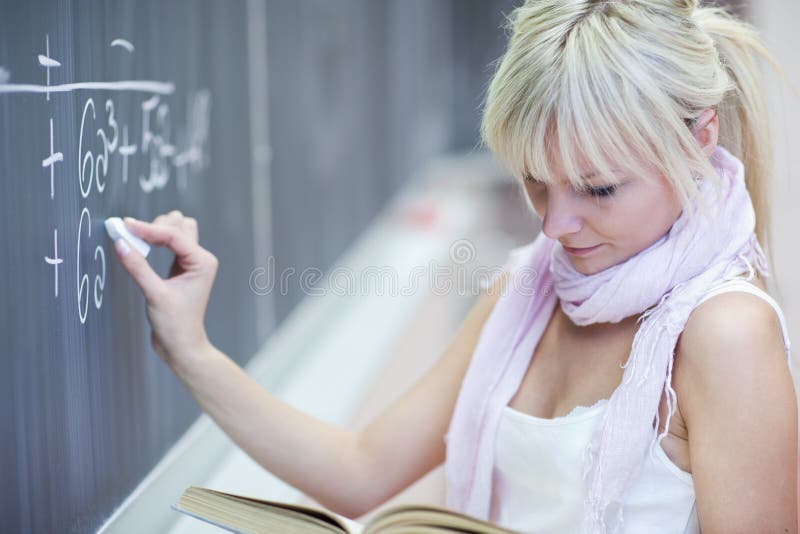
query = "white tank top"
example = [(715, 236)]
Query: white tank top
[(537, 477)]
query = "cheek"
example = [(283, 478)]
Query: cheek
[(650, 218)]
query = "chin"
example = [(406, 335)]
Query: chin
[(588, 267), (588, 272)]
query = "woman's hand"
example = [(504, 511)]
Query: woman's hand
[(176, 306)]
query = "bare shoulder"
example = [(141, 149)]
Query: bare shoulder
[(732, 323), (738, 402), (727, 339)]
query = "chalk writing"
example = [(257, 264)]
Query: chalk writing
[(107, 152), (51, 160), (55, 261), (47, 62), (127, 45)]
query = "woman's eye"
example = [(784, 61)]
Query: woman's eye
[(606, 191)]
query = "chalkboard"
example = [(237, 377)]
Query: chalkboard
[(109, 108)]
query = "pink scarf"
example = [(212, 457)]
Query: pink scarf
[(665, 281)]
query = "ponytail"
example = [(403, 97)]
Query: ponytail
[(743, 112)]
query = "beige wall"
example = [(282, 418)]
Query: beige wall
[(777, 20)]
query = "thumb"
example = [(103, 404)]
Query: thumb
[(139, 269)]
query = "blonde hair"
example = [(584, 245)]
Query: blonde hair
[(617, 82)]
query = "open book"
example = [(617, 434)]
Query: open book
[(248, 514)]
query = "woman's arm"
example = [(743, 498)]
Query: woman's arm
[(348, 472), (739, 404)]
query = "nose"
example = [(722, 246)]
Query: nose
[(561, 216)]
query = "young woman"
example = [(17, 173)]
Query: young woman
[(627, 371)]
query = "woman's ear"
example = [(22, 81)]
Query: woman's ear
[(706, 130)]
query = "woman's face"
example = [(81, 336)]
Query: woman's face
[(617, 222)]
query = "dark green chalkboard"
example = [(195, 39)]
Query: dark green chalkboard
[(136, 108)]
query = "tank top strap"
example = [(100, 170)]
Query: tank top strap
[(741, 284)]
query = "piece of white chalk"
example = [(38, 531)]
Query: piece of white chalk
[(116, 228)]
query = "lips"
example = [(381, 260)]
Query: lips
[(580, 251)]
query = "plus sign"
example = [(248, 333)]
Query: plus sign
[(51, 160), (56, 261), (47, 62), (125, 150)]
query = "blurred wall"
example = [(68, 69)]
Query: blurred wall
[(777, 21), (361, 94)]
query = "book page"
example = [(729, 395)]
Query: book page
[(234, 511), (353, 527), (429, 518)]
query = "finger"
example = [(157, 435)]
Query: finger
[(137, 266), (190, 227), (177, 219), (173, 218), (169, 236), (162, 219)]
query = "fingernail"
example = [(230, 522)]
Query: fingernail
[(122, 246)]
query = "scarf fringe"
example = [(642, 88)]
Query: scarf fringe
[(668, 318)]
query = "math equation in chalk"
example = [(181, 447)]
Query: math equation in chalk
[(104, 149)]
